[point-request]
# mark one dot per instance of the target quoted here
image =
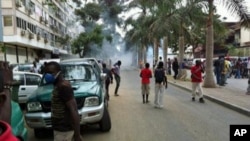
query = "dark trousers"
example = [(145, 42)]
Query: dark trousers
[(169, 71), (218, 76), (175, 74), (117, 80), (223, 79), (107, 83)]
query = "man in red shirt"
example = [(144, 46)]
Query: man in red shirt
[(196, 76), (145, 75)]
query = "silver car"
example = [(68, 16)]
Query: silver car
[(26, 84)]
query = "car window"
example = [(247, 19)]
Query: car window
[(78, 72), (32, 79), (18, 78)]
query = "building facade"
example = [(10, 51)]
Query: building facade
[(32, 29)]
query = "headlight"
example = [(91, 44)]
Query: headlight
[(34, 106), (91, 101)]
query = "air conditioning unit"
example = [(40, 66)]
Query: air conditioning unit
[(29, 11), (22, 32), (41, 19), (18, 4), (45, 21), (31, 36), (38, 37), (45, 40)]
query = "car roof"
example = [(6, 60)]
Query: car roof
[(23, 72), (80, 60)]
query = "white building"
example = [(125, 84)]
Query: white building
[(30, 29)]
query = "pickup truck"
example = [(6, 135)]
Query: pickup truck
[(89, 90)]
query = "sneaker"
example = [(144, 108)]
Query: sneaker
[(116, 95), (201, 100), (193, 99), (147, 101)]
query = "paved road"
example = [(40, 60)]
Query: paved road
[(179, 120)]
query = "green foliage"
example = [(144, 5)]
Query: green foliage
[(83, 43), (115, 10), (109, 38), (2, 48), (90, 12)]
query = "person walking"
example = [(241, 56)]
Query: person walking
[(160, 84), (64, 114), (175, 66), (196, 78), (116, 72), (109, 78), (169, 66), (145, 75)]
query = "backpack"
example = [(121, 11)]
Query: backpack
[(159, 75)]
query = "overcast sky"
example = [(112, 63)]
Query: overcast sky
[(221, 10)]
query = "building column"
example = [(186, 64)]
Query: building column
[(27, 54)]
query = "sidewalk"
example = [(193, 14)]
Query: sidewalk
[(231, 96)]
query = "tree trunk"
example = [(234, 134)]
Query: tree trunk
[(181, 55), (156, 53), (209, 81), (144, 54), (165, 51)]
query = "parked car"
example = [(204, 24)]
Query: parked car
[(26, 67), (88, 84), (25, 84)]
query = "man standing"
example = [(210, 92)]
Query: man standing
[(175, 67), (169, 66), (64, 114), (160, 84), (196, 76), (109, 78), (116, 71), (145, 75)]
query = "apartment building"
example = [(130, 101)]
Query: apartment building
[(32, 29)]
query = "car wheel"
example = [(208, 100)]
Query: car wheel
[(43, 133), (38, 133), (105, 123)]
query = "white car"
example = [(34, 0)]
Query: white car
[(27, 83)]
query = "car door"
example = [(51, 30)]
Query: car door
[(19, 79), (32, 82)]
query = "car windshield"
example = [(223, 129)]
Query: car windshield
[(74, 72)]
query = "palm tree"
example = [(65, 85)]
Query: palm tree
[(235, 6)]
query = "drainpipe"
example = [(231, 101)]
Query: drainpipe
[(27, 54), (17, 59)]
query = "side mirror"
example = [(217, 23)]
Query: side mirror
[(103, 76)]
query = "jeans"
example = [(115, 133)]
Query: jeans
[(218, 76), (118, 81), (237, 75)]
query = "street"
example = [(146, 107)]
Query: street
[(179, 120)]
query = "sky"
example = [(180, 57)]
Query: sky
[(222, 10)]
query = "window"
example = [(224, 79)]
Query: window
[(32, 79), (7, 20), (19, 79), (18, 22)]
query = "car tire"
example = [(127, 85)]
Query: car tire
[(39, 133), (105, 123)]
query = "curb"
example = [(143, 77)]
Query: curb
[(234, 107)]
